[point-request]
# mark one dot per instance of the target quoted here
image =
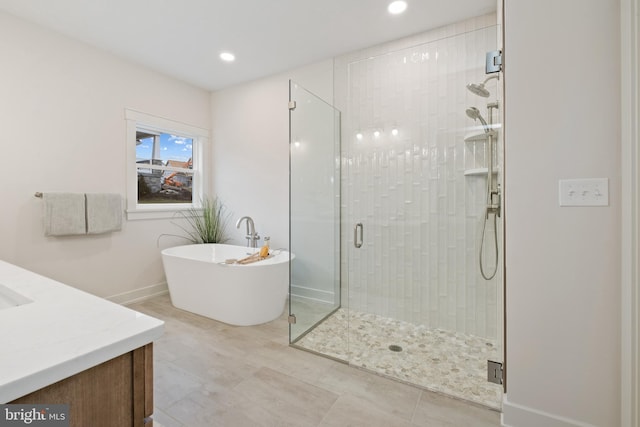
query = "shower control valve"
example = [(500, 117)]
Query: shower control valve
[(495, 203)]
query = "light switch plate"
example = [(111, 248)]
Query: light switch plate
[(584, 192)]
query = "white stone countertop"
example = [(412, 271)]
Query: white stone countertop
[(62, 332)]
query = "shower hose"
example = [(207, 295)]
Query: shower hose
[(495, 245)]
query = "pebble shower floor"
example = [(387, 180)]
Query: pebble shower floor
[(451, 363)]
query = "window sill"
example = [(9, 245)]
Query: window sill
[(164, 212)]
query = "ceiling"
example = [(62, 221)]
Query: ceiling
[(183, 38)]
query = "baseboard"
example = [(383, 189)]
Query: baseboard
[(312, 294), (514, 415), (141, 294)]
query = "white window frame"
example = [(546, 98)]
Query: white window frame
[(137, 120)]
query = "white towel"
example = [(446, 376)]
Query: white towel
[(104, 213), (64, 214)]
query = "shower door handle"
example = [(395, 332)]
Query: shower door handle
[(358, 243)]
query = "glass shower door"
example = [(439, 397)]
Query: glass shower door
[(314, 142)]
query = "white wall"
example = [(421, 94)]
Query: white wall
[(250, 128), (562, 264), (62, 118)]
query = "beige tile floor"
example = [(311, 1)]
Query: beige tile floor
[(211, 374)]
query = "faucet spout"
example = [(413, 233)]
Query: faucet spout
[(251, 236), (249, 222)]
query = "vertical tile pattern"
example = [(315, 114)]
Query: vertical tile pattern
[(404, 179)]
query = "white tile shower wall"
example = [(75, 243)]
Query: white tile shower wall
[(404, 159)]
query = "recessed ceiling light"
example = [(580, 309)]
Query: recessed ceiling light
[(397, 7), (227, 56)]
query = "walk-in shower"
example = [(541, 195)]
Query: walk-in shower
[(395, 197)]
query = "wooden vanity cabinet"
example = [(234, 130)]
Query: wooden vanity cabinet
[(116, 393)]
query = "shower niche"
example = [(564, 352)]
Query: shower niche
[(477, 147), (389, 213)]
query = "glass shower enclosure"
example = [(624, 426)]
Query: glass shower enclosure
[(314, 209), (390, 213)]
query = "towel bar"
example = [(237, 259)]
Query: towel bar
[(38, 194)]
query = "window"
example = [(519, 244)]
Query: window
[(165, 166)]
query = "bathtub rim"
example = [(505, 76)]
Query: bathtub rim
[(171, 252)]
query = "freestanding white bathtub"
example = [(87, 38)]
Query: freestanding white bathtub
[(200, 281)]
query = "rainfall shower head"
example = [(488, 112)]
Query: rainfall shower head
[(479, 89), (474, 114)]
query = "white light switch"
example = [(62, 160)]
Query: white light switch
[(584, 192)]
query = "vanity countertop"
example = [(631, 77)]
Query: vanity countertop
[(61, 332)]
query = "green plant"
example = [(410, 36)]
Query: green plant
[(206, 224)]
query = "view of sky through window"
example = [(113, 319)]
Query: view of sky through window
[(172, 147)]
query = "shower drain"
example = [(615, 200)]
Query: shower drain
[(394, 347)]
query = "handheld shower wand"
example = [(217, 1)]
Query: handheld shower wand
[(474, 113)]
